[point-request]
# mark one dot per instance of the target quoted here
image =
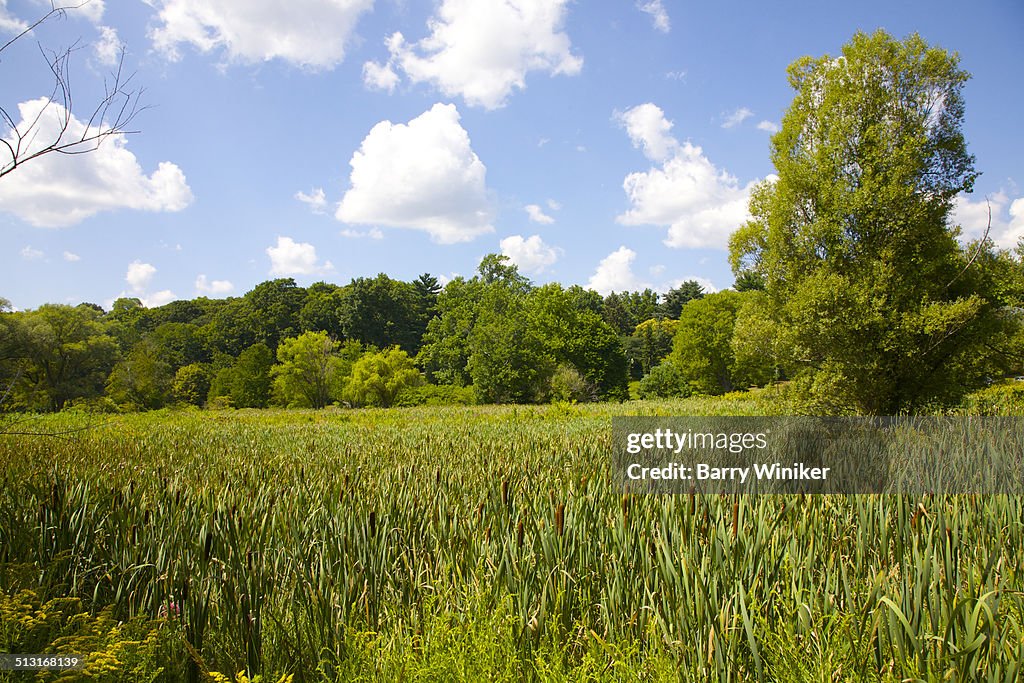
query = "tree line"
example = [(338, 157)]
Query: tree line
[(492, 338)]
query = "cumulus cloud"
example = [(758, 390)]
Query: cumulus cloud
[(213, 287), (1007, 218), (700, 204), (768, 126), (289, 257), (380, 76), (71, 257), (615, 273), (482, 50), (537, 214), (308, 33), (735, 118), (532, 255), (30, 253), (164, 296), (649, 130), (8, 22), (422, 175), (139, 275), (658, 14), (58, 190), (108, 47), (315, 200)]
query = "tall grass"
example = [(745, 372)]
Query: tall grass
[(494, 543)]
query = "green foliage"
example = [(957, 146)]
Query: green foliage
[(60, 353), (445, 351), (663, 381), (702, 348), (650, 343), (866, 280), (575, 336), (510, 360), (191, 384), (142, 379), (247, 382), (435, 395), (382, 312), (112, 650), (378, 378), (758, 345), (569, 385), (307, 370), (674, 300), (1006, 398)]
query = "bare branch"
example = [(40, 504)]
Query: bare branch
[(981, 246), (112, 115)]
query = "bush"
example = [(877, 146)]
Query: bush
[(663, 381), (435, 395), (568, 384), (1001, 399)]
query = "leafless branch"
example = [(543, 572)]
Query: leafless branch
[(112, 115)]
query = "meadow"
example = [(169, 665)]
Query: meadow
[(475, 543)]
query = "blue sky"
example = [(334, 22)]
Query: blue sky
[(607, 144)]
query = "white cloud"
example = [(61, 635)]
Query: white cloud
[(530, 254), (139, 275), (768, 126), (422, 175), (679, 75), (315, 200), (295, 258), (164, 296), (30, 253), (108, 47), (554, 205), (482, 50), (308, 33), (8, 22), (1007, 218), (57, 190), (213, 287), (700, 204), (380, 76), (537, 214), (649, 130), (615, 273), (736, 117), (71, 257), (92, 10), (658, 14), (372, 233), (708, 285)]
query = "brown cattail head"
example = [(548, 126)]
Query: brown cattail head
[(504, 492), (735, 516), (208, 546), (373, 523), (560, 518), (519, 534)]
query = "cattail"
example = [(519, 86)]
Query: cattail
[(479, 512), (735, 516), (504, 492), (487, 533), (373, 523), (625, 507), (208, 546), (560, 518), (519, 534)]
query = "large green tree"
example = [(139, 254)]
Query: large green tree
[(307, 369), (866, 279), (377, 378)]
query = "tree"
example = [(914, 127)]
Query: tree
[(307, 369), (381, 312), (863, 271), (676, 298), (651, 341), (247, 382), (50, 128), (191, 384), (66, 354), (702, 351), (141, 379), (378, 377)]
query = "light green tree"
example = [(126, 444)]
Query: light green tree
[(307, 369), (141, 379), (702, 349), (853, 240), (379, 376)]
